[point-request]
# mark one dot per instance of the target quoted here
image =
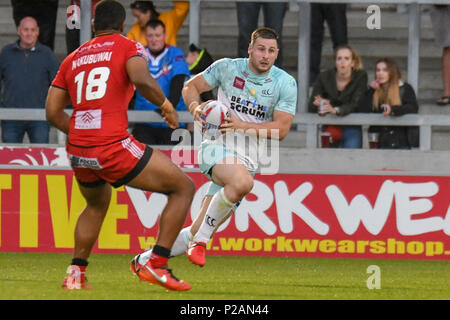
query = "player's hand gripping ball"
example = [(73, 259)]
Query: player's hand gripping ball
[(214, 116)]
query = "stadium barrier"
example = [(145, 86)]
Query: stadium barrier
[(303, 34), (309, 121), (387, 215), (291, 215)]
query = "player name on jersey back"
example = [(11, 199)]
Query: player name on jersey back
[(91, 58)]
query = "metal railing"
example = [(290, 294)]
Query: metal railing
[(310, 121), (303, 34), (304, 37)]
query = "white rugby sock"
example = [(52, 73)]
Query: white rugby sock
[(179, 246), (218, 209), (181, 242)]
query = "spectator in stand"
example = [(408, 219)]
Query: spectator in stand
[(440, 16), (169, 68), (44, 11), (338, 90), (389, 95), (72, 26), (144, 11), (27, 68), (247, 16), (198, 60), (335, 16)]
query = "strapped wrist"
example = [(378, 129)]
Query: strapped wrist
[(190, 106), (166, 107)]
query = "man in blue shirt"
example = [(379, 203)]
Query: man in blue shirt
[(169, 68), (27, 68)]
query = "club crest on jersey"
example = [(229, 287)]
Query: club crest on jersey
[(239, 83)]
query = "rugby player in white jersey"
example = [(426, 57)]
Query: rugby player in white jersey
[(262, 99)]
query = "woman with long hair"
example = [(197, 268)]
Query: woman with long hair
[(338, 90), (389, 95)]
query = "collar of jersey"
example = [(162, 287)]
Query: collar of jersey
[(155, 60), (256, 77)]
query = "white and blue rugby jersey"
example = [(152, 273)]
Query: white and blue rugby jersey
[(252, 97)]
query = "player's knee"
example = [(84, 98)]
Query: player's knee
[(247, 185), (99, 205), (188, 186), (191, 187), (98, 199), (242, 186)]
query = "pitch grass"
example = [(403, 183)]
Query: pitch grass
[(38, 276)]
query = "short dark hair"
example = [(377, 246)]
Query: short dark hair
[(265, 33), (109, 14), (154, 23), (144, 6), (194, 48)]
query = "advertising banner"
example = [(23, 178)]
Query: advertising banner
[(288, 215), (57, 156)]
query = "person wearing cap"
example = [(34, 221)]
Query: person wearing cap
[(198, 60), (144, 11)]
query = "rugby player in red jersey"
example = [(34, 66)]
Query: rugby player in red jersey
[(99, 79)]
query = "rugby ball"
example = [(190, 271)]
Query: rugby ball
[(215, 113)]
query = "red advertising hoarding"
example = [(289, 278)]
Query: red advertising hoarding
[(294, 215)]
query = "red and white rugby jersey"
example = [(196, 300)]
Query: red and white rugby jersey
[(99, 88)]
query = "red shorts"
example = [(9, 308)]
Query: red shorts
[(116, 163)]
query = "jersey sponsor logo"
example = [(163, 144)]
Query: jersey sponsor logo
[(254, 82), (88, 119), (83, 162), (96, 47), (91, 58), (239, 83), (210, 221), (208, 70), (293, 83), (267, 92), (249, 107)]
